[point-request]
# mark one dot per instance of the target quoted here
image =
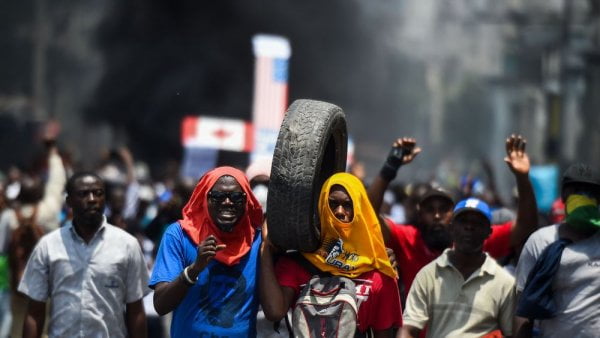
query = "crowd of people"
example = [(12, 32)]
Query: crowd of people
[(113, 253)]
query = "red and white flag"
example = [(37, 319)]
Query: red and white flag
[(216, 133)]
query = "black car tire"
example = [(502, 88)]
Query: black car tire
[(311, 146)]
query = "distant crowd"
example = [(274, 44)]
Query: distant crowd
[(117, 252)]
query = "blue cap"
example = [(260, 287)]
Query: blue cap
[(473, 204)]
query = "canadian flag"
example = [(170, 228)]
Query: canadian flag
[(216, 133)]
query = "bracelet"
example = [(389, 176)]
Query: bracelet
[(187, 278)]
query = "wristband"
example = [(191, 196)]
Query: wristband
[(392, 164), (388, 172), (187, 278)]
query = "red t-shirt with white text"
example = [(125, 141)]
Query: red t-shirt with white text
[(377, 295)]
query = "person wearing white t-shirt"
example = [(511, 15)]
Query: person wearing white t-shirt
[(574, 287)]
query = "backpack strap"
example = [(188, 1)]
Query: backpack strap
[(537, 300), (288, 325)]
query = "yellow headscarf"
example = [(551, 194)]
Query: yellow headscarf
[(350, 249)]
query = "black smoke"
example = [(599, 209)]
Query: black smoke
[(167, 59)]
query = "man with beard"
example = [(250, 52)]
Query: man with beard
[(206, 267), (92, 272), (463, 292), (416, 246)]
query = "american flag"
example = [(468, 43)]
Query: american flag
[(270, 90)]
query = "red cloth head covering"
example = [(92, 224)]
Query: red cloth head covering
[(198, 224)]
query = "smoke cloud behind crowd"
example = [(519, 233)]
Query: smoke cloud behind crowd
[(126, 72)]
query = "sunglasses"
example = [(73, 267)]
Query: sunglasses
[(237, 197)]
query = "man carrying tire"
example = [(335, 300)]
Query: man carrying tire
[(417, 245), (206, 266), (352, 247)]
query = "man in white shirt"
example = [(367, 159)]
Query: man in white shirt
[(575, 285), (93, 273)]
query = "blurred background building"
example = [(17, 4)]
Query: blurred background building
[(459, 75)]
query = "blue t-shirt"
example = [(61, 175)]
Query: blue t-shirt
[(224, 301)]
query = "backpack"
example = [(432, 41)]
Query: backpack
[(326, 307)]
